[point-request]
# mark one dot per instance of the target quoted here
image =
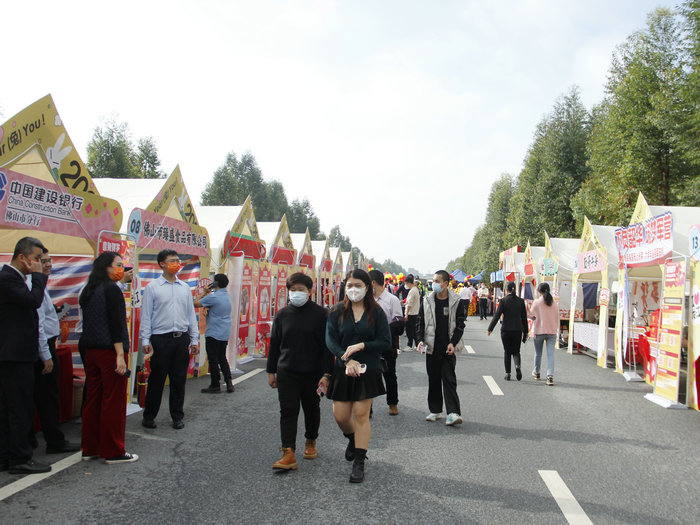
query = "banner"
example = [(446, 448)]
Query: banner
[(246, 300), (645, 243), (158, 232), (589, 262), (693, 336), (234, 272), (281, 291), (668, 359), (28, 203), (264, 323), (549, 267)]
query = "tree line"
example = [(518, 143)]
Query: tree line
[(112, 153), (643, 136)]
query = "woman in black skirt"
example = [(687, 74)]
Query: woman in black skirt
[(357, 333)]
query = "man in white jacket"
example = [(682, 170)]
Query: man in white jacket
[(412, 312)]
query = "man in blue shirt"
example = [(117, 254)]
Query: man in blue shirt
[(169, 333), (215, 297)]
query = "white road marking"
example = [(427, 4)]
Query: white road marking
[(469, 349), (572, 511), (146, 436), (30, 479), (490, 381)]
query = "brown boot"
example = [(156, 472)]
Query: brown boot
[(393, 410), (310, 449), (288, 461)]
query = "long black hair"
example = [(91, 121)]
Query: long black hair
[(98, 275), (368, 302), (511, 288), (543, 288)]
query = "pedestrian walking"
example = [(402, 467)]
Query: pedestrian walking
[(545, 312), (216, 300), (19, 350), (357, 333), (483, 295), (46, 391), (440, 336), (466, 294), (394, 314), (169, 333), (412, 312), (513, 329), (105, 339), (299, 366)]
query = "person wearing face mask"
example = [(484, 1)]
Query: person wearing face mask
[(440, 335), (169, 334), (299, 366), (392, 309), (216, 299), (19, 350), (105, 339), (357, 334)]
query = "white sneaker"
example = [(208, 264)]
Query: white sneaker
[(453, 419), (433, 417)]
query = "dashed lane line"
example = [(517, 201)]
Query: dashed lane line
[(491, 382), (571, 509), (469, 349), (31, 479)]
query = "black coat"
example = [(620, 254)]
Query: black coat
[(514, 314), (19, 320)]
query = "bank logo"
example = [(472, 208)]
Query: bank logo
[(3, 184)]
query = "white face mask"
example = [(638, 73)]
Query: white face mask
[(356, 294), (298, 298)]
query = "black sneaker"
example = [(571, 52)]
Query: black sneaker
[(149, 423), (124, 458), (507, 377), (211, 390), (518, 374)]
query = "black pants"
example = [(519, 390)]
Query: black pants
[(171, 357), (16, 411), (442, 379), (411, 328), (216, 353), (47, 399), (392, 383), (293, 389), (483, 305), (511, 347)]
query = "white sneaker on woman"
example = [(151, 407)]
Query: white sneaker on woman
[(433, 416), (453, 419)]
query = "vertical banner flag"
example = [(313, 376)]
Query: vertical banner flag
[(693, 336), (234, 272), (263, 325), (669, 359), (281, 292), (246, 300)]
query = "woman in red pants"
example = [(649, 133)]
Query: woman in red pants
[(105, 339)]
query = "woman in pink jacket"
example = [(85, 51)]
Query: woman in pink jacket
[(545, 312)]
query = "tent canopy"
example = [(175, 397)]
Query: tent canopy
[(477, 278), (458, 275)]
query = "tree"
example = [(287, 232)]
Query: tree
[(335, 238), (300, 215), (235, 179), (110, 152), (147, 159)]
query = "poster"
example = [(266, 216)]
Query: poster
[(264, 322), (281, 291), (693, 337), (668, 359), (246, 300), (157, 232), (645, 243)]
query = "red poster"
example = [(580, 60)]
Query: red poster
[(263, 325), (281, 291), (246, 299)]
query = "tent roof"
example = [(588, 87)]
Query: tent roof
[(268, 232), (336, 255), (130, 193), (346, 258), (218, 220), (298, 240), (565, 250), (319, 249)]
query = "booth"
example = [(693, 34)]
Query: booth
[(46, 192), (306, 262), (654, 295), (693, 335), (236, 250), (557, 268), (595, 269), (324, 265)]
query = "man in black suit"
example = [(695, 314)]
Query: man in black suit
[(19, 350)]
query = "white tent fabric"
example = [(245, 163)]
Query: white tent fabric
[(298, 240), (218, 220), (319, 248), (566, 251), (268, 233), (130, 193)]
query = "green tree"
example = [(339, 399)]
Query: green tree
[(300, 215), (147, 159), (235, 179), (111, 153), (335, 238)]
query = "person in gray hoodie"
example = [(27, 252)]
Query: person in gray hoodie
[(440, 337)]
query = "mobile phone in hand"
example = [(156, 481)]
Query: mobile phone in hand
[(321, 390)]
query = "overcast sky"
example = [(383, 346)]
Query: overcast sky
[(392, 117)]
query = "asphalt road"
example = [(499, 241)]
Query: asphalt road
[(623, 458)]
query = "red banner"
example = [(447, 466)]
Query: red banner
[(262, 332), (307, 260), (645, 243), (158, 232), (283, 255), (281, 290), (246, 300)]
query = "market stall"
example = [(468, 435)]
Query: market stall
[(595, 269), (337, 272), (306, 262), (324, 265), (557, 268)]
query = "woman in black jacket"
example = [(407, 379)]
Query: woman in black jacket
[(357, 333), (513, 330), (105, 339)]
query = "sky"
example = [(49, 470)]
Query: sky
[(392, 117)]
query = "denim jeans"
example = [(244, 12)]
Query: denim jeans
[(539, 341)]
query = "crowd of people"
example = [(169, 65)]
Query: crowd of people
[(347, 352)]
